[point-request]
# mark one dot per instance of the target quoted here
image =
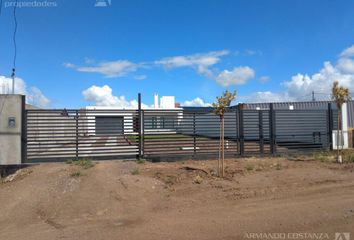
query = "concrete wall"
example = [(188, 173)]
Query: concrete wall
[(343, 135), (11, 150)]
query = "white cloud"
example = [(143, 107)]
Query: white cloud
[(348, 52), (300, 87), (195, 60), (102, 96), (117, 68), (200, 62), (264, 79), (33, 94), (6, 85), (346, 65), (140, 77), (266, 96), (69, 65), (196, 102), (250, 52), (237, 76), (37, 98)]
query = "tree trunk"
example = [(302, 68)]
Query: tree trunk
[(339, 131), (219, 159), (223, 146)]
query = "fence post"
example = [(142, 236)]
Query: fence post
[(241, 133), (237, 135), (24, 131), (140, 128), (330, 126), (260, 130), (77, 133), (272, 136), (194, 136)]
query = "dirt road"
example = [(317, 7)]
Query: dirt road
[(182, 200)]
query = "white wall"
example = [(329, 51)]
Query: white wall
[(10, 137), (344, 135), (167, 102)]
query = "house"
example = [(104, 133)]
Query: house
[(161, 117)]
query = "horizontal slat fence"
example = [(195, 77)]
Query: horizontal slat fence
[(69, 134), (62, 134), (177, 132)]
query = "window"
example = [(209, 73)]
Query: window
[(154, 122)]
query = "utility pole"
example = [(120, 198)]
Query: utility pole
[(13, 80), (313, 96)]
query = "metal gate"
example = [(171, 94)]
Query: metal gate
[(53, 135)]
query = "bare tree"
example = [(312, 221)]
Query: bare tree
[(340, 95), (221, 106)]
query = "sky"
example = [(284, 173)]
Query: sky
[(73, 53)]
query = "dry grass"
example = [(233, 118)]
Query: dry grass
[(330, 156), (84, 163)]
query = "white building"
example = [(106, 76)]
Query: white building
[(162, 117)]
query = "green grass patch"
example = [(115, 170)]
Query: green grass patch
[(324, 156), (348, 156), (140, 161), (249, 167), (76, 174), (84, 163), (331, 156), (278, 166), (135, 171)]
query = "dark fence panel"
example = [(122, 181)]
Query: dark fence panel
[(256, 131), (301, 130), (177, 132), (54, 135)]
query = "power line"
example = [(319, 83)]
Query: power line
[(13, 76), (14, 35), (0, 6)]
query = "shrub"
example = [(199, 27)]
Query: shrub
[(249, 167), (75, 174), (135, 171), (140, 161), (84, 162), (348, 156), (324, 156)]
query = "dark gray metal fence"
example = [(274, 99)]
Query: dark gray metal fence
[(54, 135), (67, 134)]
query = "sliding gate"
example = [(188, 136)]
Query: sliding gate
[(54, 135)]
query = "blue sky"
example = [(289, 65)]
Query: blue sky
[(76, 54)]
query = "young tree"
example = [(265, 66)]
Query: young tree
[(340, 95), (221, 106)]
